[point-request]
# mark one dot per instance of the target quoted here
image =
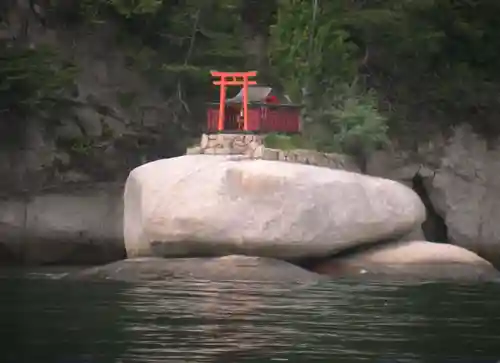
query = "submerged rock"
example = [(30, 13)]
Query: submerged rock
[(228, 268), (217, 205), (418, 259)]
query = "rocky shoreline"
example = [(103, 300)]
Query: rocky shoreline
[(65, 226), (224, 205), (233, 217)]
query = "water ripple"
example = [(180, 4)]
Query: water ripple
[(234, 321)]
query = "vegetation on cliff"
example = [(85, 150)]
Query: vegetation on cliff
[(32, 82), (429, 63), (363, 69)]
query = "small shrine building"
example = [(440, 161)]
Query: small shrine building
[(255, 109)]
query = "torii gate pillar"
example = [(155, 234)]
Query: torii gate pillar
[(233, 79)]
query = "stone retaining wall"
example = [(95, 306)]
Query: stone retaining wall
[(253, 147), (228, 144)]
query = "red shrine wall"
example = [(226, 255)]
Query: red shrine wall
[(260, 119)]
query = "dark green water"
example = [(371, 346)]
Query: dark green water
[(55, 321)]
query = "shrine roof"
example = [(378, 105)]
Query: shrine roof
[(258, 94)]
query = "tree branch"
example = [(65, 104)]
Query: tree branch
[(193, 36)]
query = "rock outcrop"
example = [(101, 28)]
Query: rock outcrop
[(75, 226), (416, 259), (227, 268), (461, 179), (199, 205), (118, 121)]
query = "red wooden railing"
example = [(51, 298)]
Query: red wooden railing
[(212, 119), (260, 119), (280, 119)]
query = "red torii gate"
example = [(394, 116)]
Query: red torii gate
[(233, 79)]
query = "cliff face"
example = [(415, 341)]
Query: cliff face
[(119, 119), (459, 177), (139, 86)]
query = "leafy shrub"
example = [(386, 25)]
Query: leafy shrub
[(350, 123), (340, 114), (285, 142)]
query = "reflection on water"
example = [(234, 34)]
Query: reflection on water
[(198, 321)]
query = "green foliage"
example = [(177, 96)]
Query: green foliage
[(82, 146), (352, 124), (285, 142), (33, 81), (206, 37), (364, 65), (97, 10), (432, 63), (316, 54), (130, 8), (126, 99), (180, 42), (320, 56), (431, 60), (174, 43)]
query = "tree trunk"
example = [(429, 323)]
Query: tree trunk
[(257, 17)]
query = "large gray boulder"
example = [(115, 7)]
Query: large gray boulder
[(227, 268), (217, 205), (415, 259)]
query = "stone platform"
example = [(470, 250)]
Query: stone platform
[(253, 146)]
